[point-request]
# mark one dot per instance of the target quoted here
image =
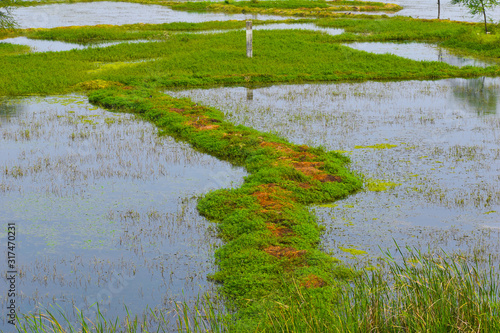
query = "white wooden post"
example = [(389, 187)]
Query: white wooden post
[(249, 39)]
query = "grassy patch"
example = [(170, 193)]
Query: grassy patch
[(462, 37), (376, 185), (270, 266), (12, 49), (279, 56), (315, 8), (87, 34), (271, 237)]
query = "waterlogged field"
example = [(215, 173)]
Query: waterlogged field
[(116, 13), (42, 45), (421, 52), (427, 9), (105, 210), (429, 151), (107, 207)]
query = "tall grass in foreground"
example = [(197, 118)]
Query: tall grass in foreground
[(422, 294), (206, 314)]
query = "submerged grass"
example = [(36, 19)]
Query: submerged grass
[(315, 8), (423, 293), (88, 34), (12, 49), (271, 268), (270, 235), (279, 7)]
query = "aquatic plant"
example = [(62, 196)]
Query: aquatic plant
[(270, 235)]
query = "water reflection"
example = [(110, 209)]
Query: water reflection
[(430, 150), (115, 13), (480, 94), (98, 198), (249, 94), (428, 9), (40, 45), (421, 52), (8, 108)]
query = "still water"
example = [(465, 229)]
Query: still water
[(430, 152), (421, 52), (115, 13), (105, 210)]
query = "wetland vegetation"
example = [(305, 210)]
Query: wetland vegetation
[(293, 249)]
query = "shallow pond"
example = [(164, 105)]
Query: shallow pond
[(115, 13), (105, 210), (428, 9), (430, 151), (40, 45), (420, 52)]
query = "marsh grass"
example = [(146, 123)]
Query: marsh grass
[(269, 292), (55, 321), (414, 293), (280, 7), (11, 49), (88, 34), (289, 8), (417, 293), (279, 56)]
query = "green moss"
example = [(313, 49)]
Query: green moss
[(376, 185), (377, 146), (353, 251), (271, 236)]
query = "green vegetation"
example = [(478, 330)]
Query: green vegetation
[(271, 237), (435, 293), (377, 146), (271, 269), (376, 185), (289, 8), (461, 37), (478, 7), (279, 56), (12, 49), (99, 33)]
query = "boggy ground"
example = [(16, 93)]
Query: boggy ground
[(270, 236)]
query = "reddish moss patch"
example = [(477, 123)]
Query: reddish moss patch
[(278, 146), (326, 178), (312, 281), (270, 196), (279, 231), (180, 111), (284, 252)]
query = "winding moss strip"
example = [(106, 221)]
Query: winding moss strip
[(271, 237)]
